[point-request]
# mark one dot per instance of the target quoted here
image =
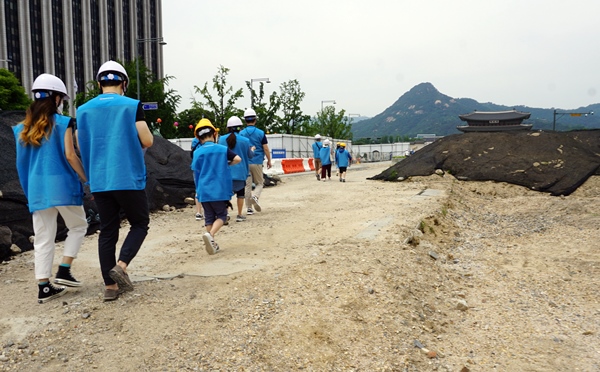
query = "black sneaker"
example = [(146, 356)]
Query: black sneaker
[(47, 292), (64, 277)]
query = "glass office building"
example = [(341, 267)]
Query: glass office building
[(72, 38)]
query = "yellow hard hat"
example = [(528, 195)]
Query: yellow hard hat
[(204, 123), (343, 144)]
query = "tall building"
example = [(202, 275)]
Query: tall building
[(72, 38)]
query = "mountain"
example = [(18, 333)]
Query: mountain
[(423, 109)]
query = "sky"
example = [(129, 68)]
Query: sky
[(366, 54)]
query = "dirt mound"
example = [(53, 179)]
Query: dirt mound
[(557, 163)]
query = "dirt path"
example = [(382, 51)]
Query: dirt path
[(325, 279)]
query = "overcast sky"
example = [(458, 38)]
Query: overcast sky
[(366, 54)]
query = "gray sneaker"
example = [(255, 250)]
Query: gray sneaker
[(118, 275), (240, 218), (255, 203), (209, 243)]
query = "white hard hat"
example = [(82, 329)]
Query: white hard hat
[(112, 70), (249, 113), (234, 121), (318, 136), (48, 82), (326, 142)]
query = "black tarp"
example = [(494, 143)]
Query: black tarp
[(553, 162)]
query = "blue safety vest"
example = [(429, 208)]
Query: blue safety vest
[(325, 155), (211, 173), (241, 170), (46, 176), (255, 136), (342, 157), (317, 146), (111, 151)]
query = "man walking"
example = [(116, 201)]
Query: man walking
[(258, 139), (316, 147), (112, 135)]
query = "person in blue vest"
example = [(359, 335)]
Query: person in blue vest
[(258, 139), (113, 136), (239, 172), (199, 216), (213, 180), (317, 146), (48, 169), (343, 159), (325, 155)]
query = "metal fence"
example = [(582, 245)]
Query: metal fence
[(292, 146), (380, 151)]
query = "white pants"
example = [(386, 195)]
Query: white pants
[(44, 228)]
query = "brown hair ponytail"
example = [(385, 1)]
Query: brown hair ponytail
[(39, 121)]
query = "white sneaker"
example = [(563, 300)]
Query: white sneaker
[(209, 243), (255, 203), (199, 217), (249, 211)]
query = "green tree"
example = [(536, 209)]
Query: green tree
[(224, 105), (293, 120), (191, 117), (12, 94), (332, 124), (267, 114), (152, 89)]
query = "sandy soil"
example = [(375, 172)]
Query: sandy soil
[(430, 274)]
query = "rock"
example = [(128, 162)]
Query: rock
[(432, 354), (85, 315), (433, 255), (3, 358), (465, 369), (166, 208), (15, 249), (189, 201), (5, 236), (418, 344), (462, 305), (439, 172)]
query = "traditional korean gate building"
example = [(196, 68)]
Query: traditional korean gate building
[(498, 121)]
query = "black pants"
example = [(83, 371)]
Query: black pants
[(135, 205), (325, 170)]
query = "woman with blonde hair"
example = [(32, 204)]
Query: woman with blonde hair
[(48, 170)]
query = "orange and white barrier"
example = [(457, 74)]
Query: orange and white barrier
[(306, 164), (289, 166), (292, 166), (276, 167)]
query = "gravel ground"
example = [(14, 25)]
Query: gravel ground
[(430, 274)]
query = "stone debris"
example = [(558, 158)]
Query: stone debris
[(462, 305)]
